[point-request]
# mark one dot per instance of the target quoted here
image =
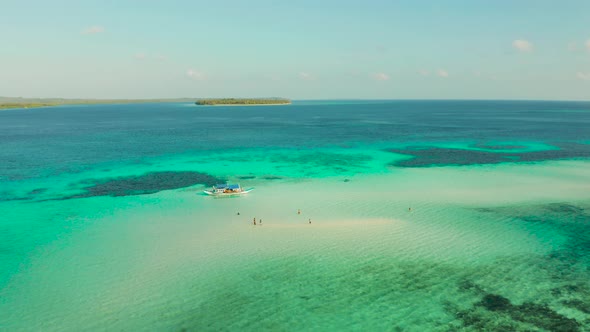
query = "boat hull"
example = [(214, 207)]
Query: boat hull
[(210, 193)]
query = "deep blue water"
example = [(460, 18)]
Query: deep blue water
[(37, 142)]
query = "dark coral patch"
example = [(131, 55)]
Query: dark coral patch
[(494, 302), (435, 156), (515, 316), (493, 310), (580, 305), (499, 147), (565, 208), (148, 183), (424, 157), (7, 196), (272, 177), (543, 317), (37, 191)]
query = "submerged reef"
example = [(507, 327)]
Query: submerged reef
[(246, 177), (427, 156), (272, 177), (499, 146), (6, 196), (148, 183), (386, 287), (497, 313), (535, 314), (481, 297)]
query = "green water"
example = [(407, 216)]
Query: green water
[(178, 260), (462, 243)]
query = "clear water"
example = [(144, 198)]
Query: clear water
[(425, 215)]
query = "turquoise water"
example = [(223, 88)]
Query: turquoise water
[(434, 215)]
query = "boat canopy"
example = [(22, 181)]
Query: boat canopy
[(227, 186)]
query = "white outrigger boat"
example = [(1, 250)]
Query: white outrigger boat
[(227, 190)]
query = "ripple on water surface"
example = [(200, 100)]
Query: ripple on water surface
[(176, 261)]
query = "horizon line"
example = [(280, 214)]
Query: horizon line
[(172, 99)]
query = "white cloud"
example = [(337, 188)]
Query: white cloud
[(93, 30), (423, 72), (195, 75), (442, 73), (306, 76), (523, 45), (583, 76), (381, 77), (140, 56)]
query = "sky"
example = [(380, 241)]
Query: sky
[(298, 49)]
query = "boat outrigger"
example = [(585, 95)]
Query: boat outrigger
[(227, 190)]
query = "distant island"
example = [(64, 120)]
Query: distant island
[(19, 102), (24, 105), (244, 101)]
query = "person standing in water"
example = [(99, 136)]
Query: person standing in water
[(310, 221), (298, 211), (254, 221), (260, 222)]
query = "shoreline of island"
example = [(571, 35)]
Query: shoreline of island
[(11, 103), (12, 106), (246, 105), (242, 102)]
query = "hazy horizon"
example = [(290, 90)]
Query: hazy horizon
[(293, 99)]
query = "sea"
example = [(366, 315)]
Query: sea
[(372, 215)]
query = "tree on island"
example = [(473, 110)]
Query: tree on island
[(243, 101)]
